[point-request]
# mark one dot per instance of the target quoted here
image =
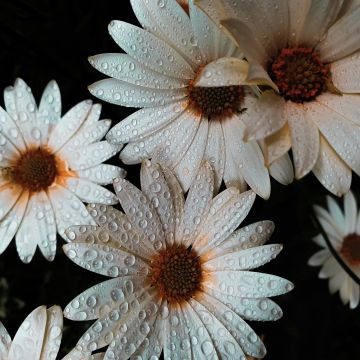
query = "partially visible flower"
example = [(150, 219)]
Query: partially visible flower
[(48, 166), (311, 51), (194, 88), (343, 230), (182, 277), (38, 337)]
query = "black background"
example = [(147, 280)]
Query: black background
[(44, 40)]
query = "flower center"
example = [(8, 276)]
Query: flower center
[(350, 249), (215, 102), (299, 74), (176, 273), (35, 170)]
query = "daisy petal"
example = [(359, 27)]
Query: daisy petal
[(329, 269), (50, 104), (171, 153), (277, 144), (354, 295), (304, 137), (232, 174), (319, 257), (345, 73), (90, 304), (69, 210), (102, 174), (245, 284), (9, 194), (346, 105), (253, 50), (26, 110), (250, 342), (191, 161), (171, 24), (335, 218), (152, 345), (159, 56), (92, 155), (143, 149), (8, 153), (341, 134), (28, 341), (197, 204), (11, 222), (228, 217), (142, 214), (126, 94), (174, 325), (89, 234), (123, 67), (194, 323), (37, 228), (105, 260), (154, 185), (10, 129), (223, 72), (89, 192), (69, 124), (244, 259), (117, 227), (222, 339), (261, 309), (53, 333), (86, 135), (282, 170), (336, 282), (215, 151), (331, 171), (49, 112), (345, 291), (247, 237), (319, 17), (350, 214), (5, 342), (250, 158), (337, 42), (176, 194), (298, 10), (212, 42), (144, 122)]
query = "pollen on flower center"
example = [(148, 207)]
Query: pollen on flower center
[(350, 249), (176, 273), (216, 102), (35, 170), (299, 74)]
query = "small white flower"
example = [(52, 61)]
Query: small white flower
[(48, 164), (311, 52), (192, 84), (343, 230), (182, 276)]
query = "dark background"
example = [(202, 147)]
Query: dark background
[(44, 40)]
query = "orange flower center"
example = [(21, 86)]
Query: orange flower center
[(299, 74), (350, 249), (176, 273), (216, 102), (35, 170)]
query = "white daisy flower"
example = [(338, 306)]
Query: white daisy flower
[(182, 279), (48, 164), (190, 79), (38, 337), (343, 230), (311, 51)]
